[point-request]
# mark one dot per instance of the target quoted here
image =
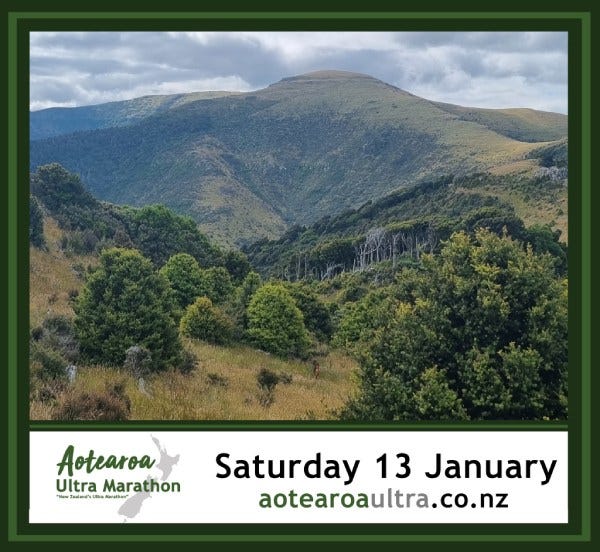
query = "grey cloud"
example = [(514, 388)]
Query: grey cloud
[(74, 68), (495, 41), (57, 91), (55, 65)]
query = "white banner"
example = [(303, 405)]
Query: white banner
[(298, 477)]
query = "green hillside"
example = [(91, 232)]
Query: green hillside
[(246, 166), (526, 125), (404, 224), (435, 302), (55, 121)]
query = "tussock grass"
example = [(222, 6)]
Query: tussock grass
[(52, 275), (224, 387)]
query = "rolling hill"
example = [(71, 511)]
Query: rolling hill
[(246, 166), (55, 121), (526, 125)]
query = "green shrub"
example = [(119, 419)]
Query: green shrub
[(218, 285), (275, 323), (267, 381), (185, 277), (188, 362), (237, 265), (202, 320), (317, 317), (479, 333), (238, 305), (36, 223), (159, 233), (52, 363), (359, 321), (126, 303)]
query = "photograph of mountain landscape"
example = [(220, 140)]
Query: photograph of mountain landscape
[(298, 226)]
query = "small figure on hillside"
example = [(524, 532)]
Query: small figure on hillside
[(316, 368)]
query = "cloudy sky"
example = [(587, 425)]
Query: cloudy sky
[(482, 69)]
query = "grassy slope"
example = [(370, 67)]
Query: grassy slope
[(527, 125), (174, 396), (547, 206), (299, 149), (52, 275)]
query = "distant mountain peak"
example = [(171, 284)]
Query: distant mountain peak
[(334, 74), (328, 74)]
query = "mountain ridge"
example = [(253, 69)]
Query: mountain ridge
[(247, 165)]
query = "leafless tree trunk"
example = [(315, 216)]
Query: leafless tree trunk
[(395, 240), (433, 239)]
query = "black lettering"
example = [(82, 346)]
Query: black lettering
[(222, 465)]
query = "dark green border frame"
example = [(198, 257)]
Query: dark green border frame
[(577, 21)]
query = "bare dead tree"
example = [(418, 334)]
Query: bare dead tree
[(432, 238), (330, 270), (408, 242), (395, 241), (376, 239)]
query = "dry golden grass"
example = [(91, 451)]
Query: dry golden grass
[(51, 276), (224, 387), (40, 410)]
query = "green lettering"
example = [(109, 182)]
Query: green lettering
[(67, 461)]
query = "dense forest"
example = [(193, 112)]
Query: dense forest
[(435, 302)]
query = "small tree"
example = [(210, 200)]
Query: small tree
[(185, 276), (237, 265), (160, 233), (360, 320), (275, 323), (317, 317), (248, 288), (125, 303), (238, 306), (204, 321), (218, 285), (36, 223)]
